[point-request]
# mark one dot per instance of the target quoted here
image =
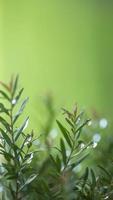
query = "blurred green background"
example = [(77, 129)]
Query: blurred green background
[(62, 46)]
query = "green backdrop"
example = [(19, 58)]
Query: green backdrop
[(65, 46)]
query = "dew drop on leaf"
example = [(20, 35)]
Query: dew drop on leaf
[(96, 137), (14, 101), (94, 144), (103, 123)]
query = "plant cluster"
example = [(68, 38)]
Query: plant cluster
[(33, 171)]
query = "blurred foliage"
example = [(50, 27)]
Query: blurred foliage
[(79, 167)]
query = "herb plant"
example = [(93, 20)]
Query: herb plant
[(29, 172)]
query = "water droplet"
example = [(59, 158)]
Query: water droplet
[(103, 123), (96, 137), (14, 101), (25, 143), (90, 123), (30, 159), (82, 145), (28, 140), (106, 197), (94, 144)]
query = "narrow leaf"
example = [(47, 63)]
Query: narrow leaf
[(4, 95), (93, 179), (3, 109), (19, 131), (80, 128), (53, 160), (63, 150), (28, 181), (15, 84), (58, 162), (65, 133), (5, 124), (85, 177), (19, 95), (6, 137), (105, 171), (79, 161), (7, 156), (20, 110), (5, 86), (69, 122)]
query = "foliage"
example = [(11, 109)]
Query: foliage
[(30, 170)]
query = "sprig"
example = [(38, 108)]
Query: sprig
[(17, 155)]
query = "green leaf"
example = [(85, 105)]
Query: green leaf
[(5, 86), (23, 143), (5, 124), (69, 114), (69, 122), (78, 134), (3, 195), (3, 109), (65, 133), (8, 167), (1, 146), (7, 156), (19, 131), (85, 177), (45, 185), (11, 186), (73, 165), (53, 161), (79, 116), (6, 137), (19, 95), (18, 150), (20, 110), (4, 95), (80, 128), (105, 171), (58, 162), (63, 150), (28, 181), (93, 179), (15, 84)]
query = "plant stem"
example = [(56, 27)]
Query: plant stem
[(13, 142)]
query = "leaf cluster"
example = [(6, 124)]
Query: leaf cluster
[(25, 174)]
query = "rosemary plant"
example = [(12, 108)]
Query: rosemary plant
[(15, 145), (45, 171)]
